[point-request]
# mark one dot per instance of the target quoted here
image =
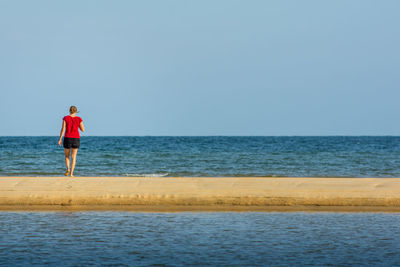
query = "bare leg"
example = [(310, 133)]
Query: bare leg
[(67, 153), (73, 160)]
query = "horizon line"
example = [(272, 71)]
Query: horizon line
[(388, 135)]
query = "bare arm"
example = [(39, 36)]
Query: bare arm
[(81, 126), (61, 132)]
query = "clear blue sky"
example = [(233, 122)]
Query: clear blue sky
[(201, 67)]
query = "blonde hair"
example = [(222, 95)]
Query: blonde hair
[(73, 110)]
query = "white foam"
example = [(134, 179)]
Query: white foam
[(146, 174)]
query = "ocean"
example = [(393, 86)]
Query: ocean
[(202, 238), (199, 239), (213, 156)]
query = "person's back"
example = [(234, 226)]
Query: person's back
[(71, 126)]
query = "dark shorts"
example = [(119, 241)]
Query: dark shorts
[(71, 142)]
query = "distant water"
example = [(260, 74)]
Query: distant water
[(206, 156), (199, 239)]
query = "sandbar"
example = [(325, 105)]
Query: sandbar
[(169, 194)]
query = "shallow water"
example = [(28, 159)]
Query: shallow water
[(206, 156), (199, 239)]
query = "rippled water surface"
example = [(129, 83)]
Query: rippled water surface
[(206, 156), (199, 239)]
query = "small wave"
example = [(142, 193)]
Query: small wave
[(146, 174)]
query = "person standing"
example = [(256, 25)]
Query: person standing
[(71, 126)]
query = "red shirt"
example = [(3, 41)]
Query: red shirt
[(72, 126)]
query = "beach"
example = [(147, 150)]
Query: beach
[(200, 194)]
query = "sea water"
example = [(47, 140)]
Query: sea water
[(199, 239), (337, 156), (202, 239)]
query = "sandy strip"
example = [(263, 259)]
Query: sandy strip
[(200, 194)]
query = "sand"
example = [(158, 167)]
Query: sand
[(200, 194)]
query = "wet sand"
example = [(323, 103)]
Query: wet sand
[(169, 194)]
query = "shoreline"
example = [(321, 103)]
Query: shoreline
[(222, 194), (177, 208)]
